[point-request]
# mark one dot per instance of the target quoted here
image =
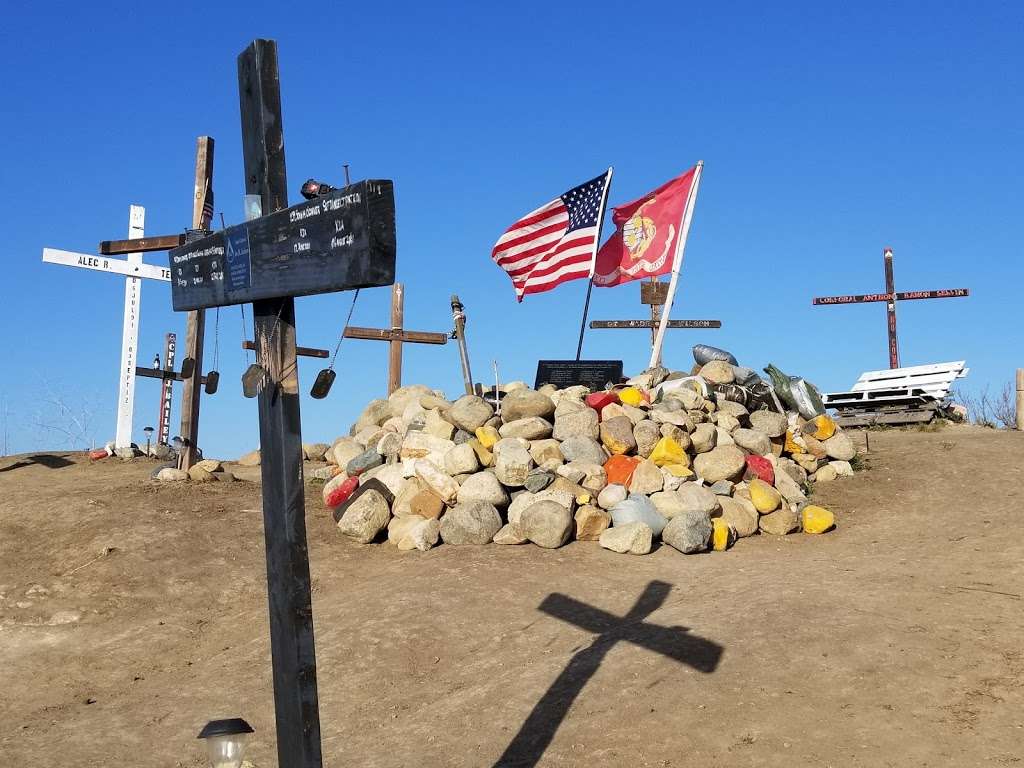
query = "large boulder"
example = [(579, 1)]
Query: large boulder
[(752, 441), (617, 435), (436, 480), (526, 403), (591, 522), (780, 522), (512, 465), (470, 412), (473, 523), (583, 423), (739, 514), (547, 524), (638, 509), (840, 447), (704, 438), (483, 486), (725, 462), (364, 516), (688, 532), (771, 423), (584, 449), (528, 428), (632, 538), (695, 497)]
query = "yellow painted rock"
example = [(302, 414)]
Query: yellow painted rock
[(487, 436), (817, 519), (821, 427), (722, 535), (677, 470), (791, 446), (668, 451), (765, 498), (632, 396)]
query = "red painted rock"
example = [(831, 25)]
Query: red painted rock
[(761, 467), (341, 492), (599, 400), (99, 453)]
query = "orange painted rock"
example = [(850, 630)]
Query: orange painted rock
[(619, 469)]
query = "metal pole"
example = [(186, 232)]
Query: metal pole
[(459, 317), (583, 323)]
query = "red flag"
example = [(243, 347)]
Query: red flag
[(646, 231)]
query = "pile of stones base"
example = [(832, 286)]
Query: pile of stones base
[(664, 456)]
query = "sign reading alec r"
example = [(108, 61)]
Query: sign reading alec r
[(341, 241)]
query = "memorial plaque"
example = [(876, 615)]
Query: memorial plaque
[(338, 242), (594, 374)]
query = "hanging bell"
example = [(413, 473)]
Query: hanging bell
[(212, 380), (323, 383), (253, 379)]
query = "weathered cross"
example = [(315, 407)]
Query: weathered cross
[(133, 268), (891, 296), (396, 335), (654, 294), (342, 240), (675, 643), (195, 323)]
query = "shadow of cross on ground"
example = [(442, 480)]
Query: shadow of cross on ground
[(48, 460), (675, 643)]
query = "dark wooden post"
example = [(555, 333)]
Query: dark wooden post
[(397, 321), (284, 522), (195, 325), (890, 288)]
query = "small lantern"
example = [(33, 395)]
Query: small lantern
[(149, 435), (225, 741)]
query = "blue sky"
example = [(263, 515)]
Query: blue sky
[(827, 132)]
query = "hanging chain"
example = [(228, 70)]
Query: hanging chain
[(216, 338), (341, 338)]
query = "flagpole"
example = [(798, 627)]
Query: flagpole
[(676, 265), (593, 261)]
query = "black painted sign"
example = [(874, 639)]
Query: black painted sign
[(338, 242), (594, 374)]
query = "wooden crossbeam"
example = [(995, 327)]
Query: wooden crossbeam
[(142, 244), (163, 373), (300, 351), (395, 334), (654, 323)]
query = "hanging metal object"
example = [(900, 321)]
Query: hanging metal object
[(325, 379), (253, 379)]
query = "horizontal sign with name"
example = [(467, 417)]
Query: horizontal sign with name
[(944, 293), (105, 264), (338, 242), (593, 374), (655, 324)]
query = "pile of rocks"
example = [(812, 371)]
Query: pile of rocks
[(668, 455)]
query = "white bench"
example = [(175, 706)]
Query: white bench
[(896, 395)]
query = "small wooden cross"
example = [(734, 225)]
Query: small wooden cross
[(676, 643), (655, 294), (891, 296), (396, 335)]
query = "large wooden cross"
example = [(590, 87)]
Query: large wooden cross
[(676, 643), (195, 323), (890, 297), (134, 269), (396, 335), (654, 294)]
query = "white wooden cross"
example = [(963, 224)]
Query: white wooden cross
[(133, 268)]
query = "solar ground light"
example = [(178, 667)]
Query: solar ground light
[(225, 741)]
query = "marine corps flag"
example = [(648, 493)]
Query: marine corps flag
[(647, 233)]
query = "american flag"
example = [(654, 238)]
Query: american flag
[(557, 241)]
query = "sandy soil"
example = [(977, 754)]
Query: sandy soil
[(896, 640)]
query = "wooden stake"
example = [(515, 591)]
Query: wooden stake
[(284, 516), (195, 324), (1020, 398), (395, 354)]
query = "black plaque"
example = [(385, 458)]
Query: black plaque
[(338, 242), (594, 374)]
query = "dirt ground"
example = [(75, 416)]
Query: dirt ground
[(895, 640)]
